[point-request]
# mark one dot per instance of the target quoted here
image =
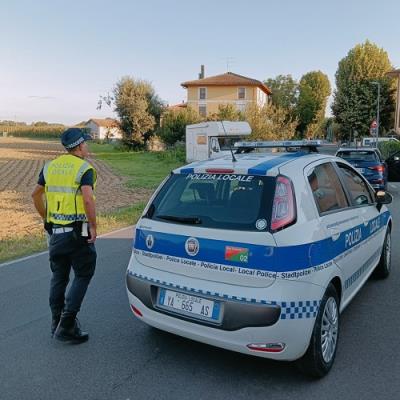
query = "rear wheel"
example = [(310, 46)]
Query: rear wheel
[(382, 270), (321, 351)]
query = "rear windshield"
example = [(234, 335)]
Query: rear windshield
[(223, 201), (227, 143), (358, 155)]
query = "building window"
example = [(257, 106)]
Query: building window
[(202, 93), (202, 110), (241, 93)]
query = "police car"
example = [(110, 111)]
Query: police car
[(260, 251)]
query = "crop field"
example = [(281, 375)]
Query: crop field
[(20, 163)]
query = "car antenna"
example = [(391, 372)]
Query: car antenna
[(230, 144)]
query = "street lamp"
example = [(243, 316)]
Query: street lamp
[(377, 110)]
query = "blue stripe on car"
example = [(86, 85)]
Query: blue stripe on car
[(269, 258), (262, 168), (186, 170)]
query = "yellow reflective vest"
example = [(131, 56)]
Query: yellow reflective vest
[(63, 194)]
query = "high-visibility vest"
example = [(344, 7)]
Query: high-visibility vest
[(63, 194)]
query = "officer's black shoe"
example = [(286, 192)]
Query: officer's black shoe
[(54, 322), (69, 330)]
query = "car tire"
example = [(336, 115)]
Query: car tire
[(321, 352), (382, 270)]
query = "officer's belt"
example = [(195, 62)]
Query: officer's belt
[(62, 230)]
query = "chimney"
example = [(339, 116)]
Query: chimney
[(201, 74)]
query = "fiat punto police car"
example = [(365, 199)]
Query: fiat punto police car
[(260, 252)]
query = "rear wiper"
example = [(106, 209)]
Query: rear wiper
[(183, 220)]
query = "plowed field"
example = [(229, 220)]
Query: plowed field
[(21, 160)]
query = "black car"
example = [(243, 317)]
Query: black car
[(393, 164)]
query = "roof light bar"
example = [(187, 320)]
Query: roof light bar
[(279, 143)]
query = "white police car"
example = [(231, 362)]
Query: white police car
[(260, 252)]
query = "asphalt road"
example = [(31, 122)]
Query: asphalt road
[(125, 359)]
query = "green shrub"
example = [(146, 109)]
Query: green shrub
[(175, 154), (388, 148)]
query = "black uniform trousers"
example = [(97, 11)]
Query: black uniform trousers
[(70, 250)]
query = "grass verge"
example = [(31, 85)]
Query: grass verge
[(22, 246), (107, 222)]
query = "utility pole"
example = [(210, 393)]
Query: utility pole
[(377, 111)]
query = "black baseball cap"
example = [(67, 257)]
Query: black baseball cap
[(73, 137)]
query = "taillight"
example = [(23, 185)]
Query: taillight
[(378, 168), (283, 208)]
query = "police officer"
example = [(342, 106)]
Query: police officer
[(64, 199)]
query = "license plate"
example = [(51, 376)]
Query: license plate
[(187, 304), (360, 170)]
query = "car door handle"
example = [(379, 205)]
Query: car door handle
[(335, 233)]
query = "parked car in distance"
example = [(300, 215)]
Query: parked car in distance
[(371, 141), (369, 162), (260, 252)]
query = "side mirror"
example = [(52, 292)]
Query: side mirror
[(382, 197)]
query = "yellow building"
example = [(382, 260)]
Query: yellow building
[(206, 94), (396, 74)]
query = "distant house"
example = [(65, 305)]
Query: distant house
[(107, 128), (206, 94)]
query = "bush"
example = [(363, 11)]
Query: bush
[(175, 154), (388, 148)]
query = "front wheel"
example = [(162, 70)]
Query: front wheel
[(321, 351), (382, 270)]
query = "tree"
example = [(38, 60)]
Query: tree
[(314, 90), (227, 112), (284, 91), (173, 125), (138, 109), (270, 122), (40, 123), (355, 98)]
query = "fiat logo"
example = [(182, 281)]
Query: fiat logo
[(192, 246), (149, 241)]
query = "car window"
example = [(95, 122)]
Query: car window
[(225, 201), (356, 186), (358, 155), (327, 189)]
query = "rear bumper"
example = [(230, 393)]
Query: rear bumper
[(236, 315), (254, 323)]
